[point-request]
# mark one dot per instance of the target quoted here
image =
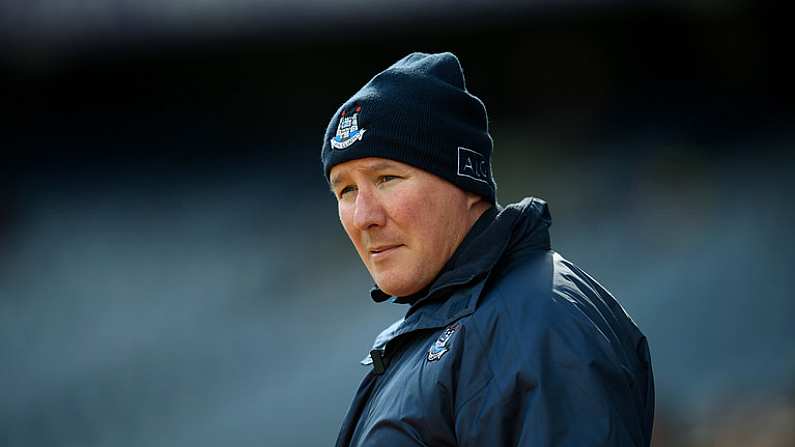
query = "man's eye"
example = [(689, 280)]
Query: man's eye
[(346, 190), (386, 178)]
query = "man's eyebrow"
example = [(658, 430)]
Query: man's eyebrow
[(334, 182), (378, 166)]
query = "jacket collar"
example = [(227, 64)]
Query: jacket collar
[(499, 234)]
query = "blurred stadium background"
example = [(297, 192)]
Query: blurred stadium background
[(171, 268)]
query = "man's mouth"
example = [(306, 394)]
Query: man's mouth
[(382, 250)]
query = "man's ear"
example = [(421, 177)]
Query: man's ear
[(473, 200)]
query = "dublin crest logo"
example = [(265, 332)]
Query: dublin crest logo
[(442, 344), (348, 131)]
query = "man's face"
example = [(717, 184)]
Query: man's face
[(404, 222)]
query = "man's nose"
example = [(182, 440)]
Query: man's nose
[(369, 211)]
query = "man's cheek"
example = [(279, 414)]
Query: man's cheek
[(414, 211)]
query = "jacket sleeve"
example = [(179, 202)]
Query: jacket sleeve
[(554, 382)]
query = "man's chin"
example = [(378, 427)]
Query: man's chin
[(397, 286)]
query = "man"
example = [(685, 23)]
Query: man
[(505, 342)]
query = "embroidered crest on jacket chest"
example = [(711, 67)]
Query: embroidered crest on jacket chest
[(442, 344)]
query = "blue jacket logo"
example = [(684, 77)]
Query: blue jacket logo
[(441, 345)]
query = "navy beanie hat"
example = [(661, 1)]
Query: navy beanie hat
[(419, 112)]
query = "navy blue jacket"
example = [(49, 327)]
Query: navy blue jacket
[(511, 345)]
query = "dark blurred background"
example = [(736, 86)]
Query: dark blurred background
[(172, 271)]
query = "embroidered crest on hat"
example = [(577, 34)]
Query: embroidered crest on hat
[(442, 344), (348, 131)]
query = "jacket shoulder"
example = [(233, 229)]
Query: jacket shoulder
[(542, 299), (556, 345)]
